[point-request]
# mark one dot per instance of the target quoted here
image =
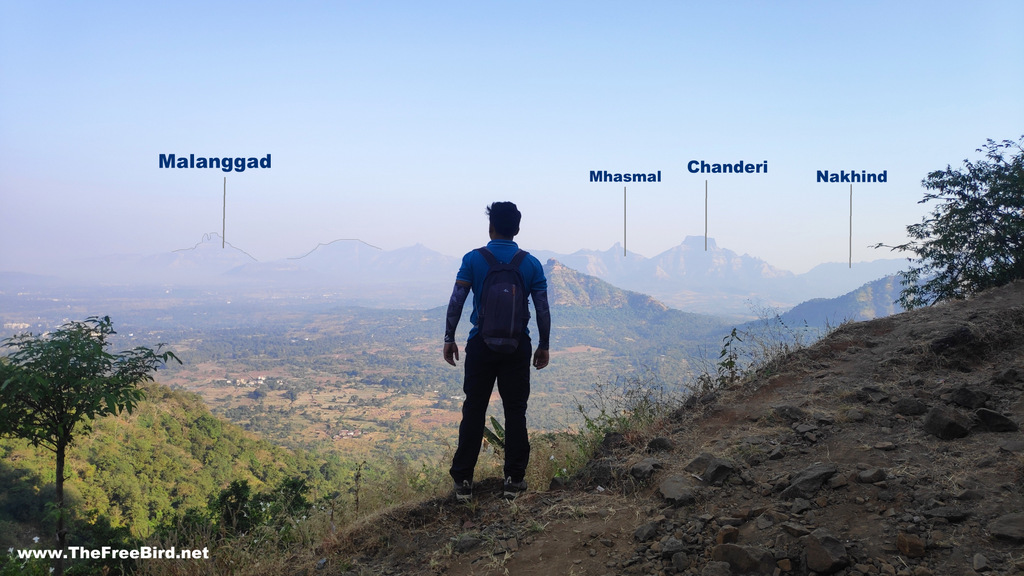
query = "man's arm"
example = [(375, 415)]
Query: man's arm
[(451, 321), (540, 304)]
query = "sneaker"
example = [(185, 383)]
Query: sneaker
[(464, 491), (513, 489)]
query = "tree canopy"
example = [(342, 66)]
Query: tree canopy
[(57, 382), (973, 239), (51, 383)]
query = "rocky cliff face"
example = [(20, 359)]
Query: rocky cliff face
[(890, 447)]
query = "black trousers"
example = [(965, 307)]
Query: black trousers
[(512, 372)]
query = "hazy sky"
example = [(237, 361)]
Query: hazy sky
[(396, 123)]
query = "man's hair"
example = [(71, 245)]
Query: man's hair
[(505, 217)]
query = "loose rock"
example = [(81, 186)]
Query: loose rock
[(809, 480), (790, 413), (871, 394), (1015, 446), (718, 470), (910, 545), (677, 490), (745, 559), (1009, 527), (911, 407), (699, 464), (728, 535), (946, 423), (825, 553), (871, 475), (716, 569), (969, 398), (645, 468), (795, 529), (948, 512), (671, 547), (660, 444), (467, 542), (995, 421), (956, 339), (646, 531), (1008, 376)]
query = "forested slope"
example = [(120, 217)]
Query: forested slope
[(140, 470)]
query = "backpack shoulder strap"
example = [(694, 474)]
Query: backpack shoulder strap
[(517, 260), (488, 256)]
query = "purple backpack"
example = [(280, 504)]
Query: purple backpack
[(504, 310)]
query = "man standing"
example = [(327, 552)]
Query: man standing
[(505, 357)]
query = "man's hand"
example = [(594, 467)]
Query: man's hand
[(540, 358), (451, 352)]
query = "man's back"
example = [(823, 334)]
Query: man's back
[(475, 267), (508, 364)]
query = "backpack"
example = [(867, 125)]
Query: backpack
[(504, 311)]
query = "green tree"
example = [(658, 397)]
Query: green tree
[(974, 239), (54, 383), (239, 510)]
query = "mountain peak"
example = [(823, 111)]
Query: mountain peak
[(213, 240), (698, 242)]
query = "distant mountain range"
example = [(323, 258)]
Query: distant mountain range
[(720, 281), (687, 277), (570, 288)]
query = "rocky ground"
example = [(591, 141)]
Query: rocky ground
[(890, 447)]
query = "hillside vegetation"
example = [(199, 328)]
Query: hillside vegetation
[(143, 470)]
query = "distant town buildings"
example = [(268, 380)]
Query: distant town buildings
[(256, 382)]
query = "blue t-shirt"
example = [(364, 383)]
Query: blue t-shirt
[(474, 269)]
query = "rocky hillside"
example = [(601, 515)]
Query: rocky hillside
[(890, 447), (568, 287), (875, 299)]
